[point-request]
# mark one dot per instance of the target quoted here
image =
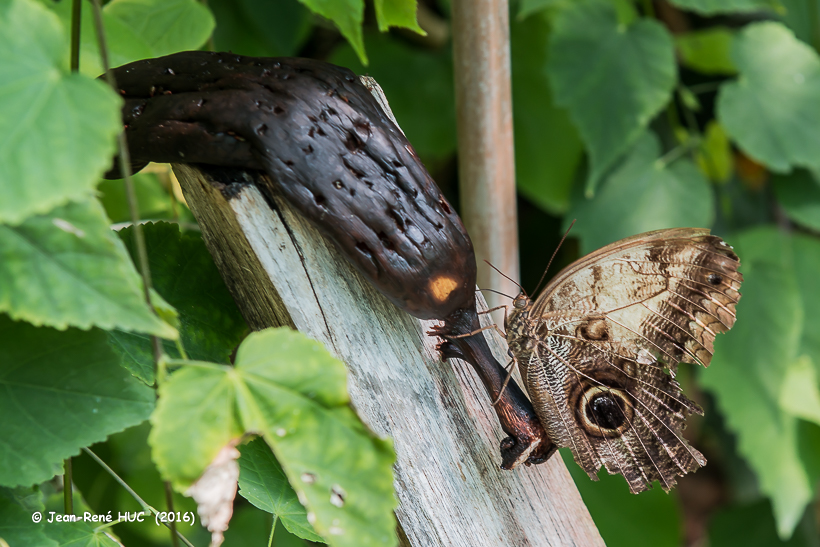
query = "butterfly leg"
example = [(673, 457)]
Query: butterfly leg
[(494, 309), (509, 369), (482, 329), (527, 441), (506, 309), (488, 327)]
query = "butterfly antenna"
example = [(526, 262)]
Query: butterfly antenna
[(505, 275), (555, 252), (496, 292)]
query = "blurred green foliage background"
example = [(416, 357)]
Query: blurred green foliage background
[(629, 116), (634, 116)]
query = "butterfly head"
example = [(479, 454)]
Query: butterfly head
[(520, 310), (521, 302)]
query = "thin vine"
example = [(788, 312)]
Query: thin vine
[(133, 208)]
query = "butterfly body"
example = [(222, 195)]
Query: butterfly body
[(599, 348)]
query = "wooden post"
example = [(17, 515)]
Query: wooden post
[(486, 162), (281, 271)]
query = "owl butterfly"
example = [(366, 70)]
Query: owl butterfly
[(598, 349)]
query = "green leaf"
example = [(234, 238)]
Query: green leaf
[(59, 391), (713, 7), (289, 389), (183, 272), (753, 361), (166, 26), (643, 193), (397, 13), (800, 391), (807, 264), (136, 350), (348, 16), (137, 29), (343, 471), (625, 519), (528, 7), (154, 201), (799, 195), (29, 498), (626, 12), (801, 16), (690, 101), (194, 419), (57, 129), (262, 482), (714, 157), (708, 51), (16, 525), (248, 525), (129, 455), (548, 150), (751, 526), (157, 194), (419, 87), (81, 534), (124, 45), (163, 309), (67, 267), (773, 110), (137, 355), (261, 28), (613, 79)]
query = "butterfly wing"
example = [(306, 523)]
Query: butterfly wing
[(602, 343)]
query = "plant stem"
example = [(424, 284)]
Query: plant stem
[(76, 12), (674, 119), (677, 152), (169, 501), (125, 167), (68, 490), (272, 530), (117, 478), (142, 502), (691, 122), (168, 179), (107, 525), (486, 154), (706, 87), (199, 364), (181, 349), (125, 163)]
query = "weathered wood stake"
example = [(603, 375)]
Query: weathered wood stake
[(281, 271)]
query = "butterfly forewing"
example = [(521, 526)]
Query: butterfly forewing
[(598, 349)]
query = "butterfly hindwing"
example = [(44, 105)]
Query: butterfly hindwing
[(599, 348)]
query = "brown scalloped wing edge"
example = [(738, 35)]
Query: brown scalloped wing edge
[(676, 323)]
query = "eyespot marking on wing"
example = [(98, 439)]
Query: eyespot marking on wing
[(630, 313)]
